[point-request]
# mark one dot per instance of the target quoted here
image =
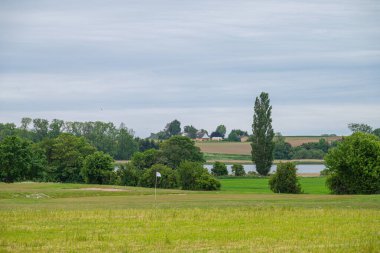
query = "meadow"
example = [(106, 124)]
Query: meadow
[(243, 217)]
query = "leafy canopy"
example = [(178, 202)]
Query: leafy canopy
[(354, 166), (178, 149)]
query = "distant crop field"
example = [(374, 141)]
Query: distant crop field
[(299, 140), (244, 148), (237, 148), (243, 217)]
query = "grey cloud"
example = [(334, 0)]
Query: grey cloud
[(194, 59)]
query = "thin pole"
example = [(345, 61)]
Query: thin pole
[(155, 189)]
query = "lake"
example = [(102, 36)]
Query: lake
[(302, 168)]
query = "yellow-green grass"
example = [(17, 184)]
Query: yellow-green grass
[(231, 220)]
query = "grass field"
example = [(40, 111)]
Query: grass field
[(243, 217)]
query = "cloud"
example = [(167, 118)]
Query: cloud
[(203, 62)]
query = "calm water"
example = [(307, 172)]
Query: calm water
[(302, 168)]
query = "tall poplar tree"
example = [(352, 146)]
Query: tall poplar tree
[(262, 141)]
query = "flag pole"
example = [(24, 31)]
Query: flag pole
[(155, 189)]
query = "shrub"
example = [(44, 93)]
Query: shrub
[(219, 169), (207, 183), (354, 166), (97, 168), (128, 175), (193, 176), (238, 170), (285, 180), (168, 179)]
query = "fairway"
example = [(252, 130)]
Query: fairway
[(243, 217)]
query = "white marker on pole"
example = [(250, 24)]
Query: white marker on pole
[(158, 174)]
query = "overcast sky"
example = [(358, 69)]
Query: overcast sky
[(146, 63)]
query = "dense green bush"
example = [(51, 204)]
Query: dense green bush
[(219, 169), (168, 179), (127, 174), (285, 180), (238, 170), (354, 166), (97, 168), (193, 176), (207, 183)]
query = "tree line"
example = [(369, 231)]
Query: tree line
[(69, 158), (312, 150), (118, 142), (174, 128)]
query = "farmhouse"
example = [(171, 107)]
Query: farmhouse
[(217, 138)]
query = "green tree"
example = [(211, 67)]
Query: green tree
[(173, 128), (190, 131), (146, 159), (358, 127), (25, 122), (65, 155), (262, 139), (376, 132), (219, 169), (97, 168), (178, 149), (193, 176), (207, 183), (40, 129), (145, 144), (221, 129), (7, 129), (236, 135), (238, 170), (126, 145), (282, 149), (233, 136), (19, 160), (354, 166), (127, 174), (24, 129), (168, 179), (56, 128), (285, 180)]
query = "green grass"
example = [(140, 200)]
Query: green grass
[(217, 156), (243, 217), (310, 185)]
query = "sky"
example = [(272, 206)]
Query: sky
[(148, 62)]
